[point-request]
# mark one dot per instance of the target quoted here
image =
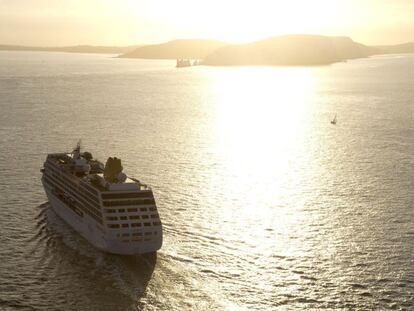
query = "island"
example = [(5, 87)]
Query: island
[(290, 50), (177, 49), (287, 50)]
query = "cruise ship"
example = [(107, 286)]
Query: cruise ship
[(115, 213)]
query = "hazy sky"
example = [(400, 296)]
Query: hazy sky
[(127, 22)]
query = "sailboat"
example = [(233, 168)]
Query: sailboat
[(333, 120)]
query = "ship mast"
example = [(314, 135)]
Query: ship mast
[(76, 151)]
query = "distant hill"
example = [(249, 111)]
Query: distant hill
[(288, 50), (186, 48), (397, 49), (296, 50), (72, 49)]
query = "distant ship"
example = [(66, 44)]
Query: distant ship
[(115, 213), (334, 120), (196, 62), (183, 63)]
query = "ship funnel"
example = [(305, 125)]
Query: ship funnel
[(112, 169)]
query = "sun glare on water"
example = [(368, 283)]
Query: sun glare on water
[(261, 118), (260, 112)]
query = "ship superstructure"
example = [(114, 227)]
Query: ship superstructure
[(113, 212)]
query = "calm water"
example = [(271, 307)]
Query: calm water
[(265, 204)]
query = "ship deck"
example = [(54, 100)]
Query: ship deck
[(63, 160)]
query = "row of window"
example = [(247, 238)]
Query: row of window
[(54, 179), (136, 240), (90, 188), (85, 210), (129, 210), (88, 196), (92, 215), (83, 188), (149, 201), (130, 195), (134, 225), (137, 234), (132, 217), (70, 189), (92, 199)]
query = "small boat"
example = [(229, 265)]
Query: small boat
[(334, 120)]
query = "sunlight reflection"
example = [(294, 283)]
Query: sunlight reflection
[(260, 114), (261, 121)]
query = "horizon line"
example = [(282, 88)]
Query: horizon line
[(197, 38)]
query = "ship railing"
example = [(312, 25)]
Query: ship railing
[(141, 185), (144, 187)]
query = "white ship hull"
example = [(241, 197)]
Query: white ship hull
[(100, 237)]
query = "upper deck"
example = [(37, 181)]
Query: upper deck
[(95, 176)]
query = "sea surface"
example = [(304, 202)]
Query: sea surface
[(265, 204)]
